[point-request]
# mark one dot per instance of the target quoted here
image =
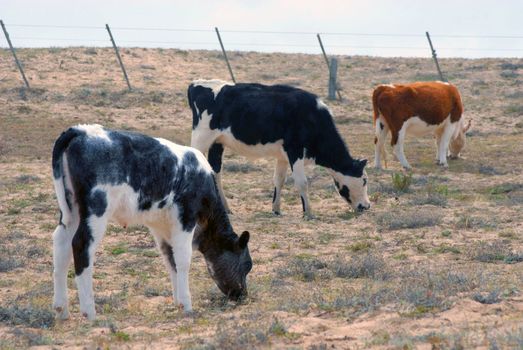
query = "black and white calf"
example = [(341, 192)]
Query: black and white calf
[(101, 175), (283, 122)]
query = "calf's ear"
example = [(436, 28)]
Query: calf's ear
[(362, 163), (244, 239)]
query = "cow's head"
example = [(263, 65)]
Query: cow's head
[(228, 263), (353, 188), (457, 143)]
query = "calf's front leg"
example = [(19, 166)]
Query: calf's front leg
[(182, 248)]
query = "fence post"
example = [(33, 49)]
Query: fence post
[(224, 54), (118, 56), (329, 67), (14, 54), (435, 57), (332, 78)]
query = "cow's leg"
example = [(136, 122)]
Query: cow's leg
[(166, 249), (300, 181), (181, 243), (62, 255), (379, 143), (85, 241), (279, 179), (398, 139), (449, 130), (438, 134), (215, 160)]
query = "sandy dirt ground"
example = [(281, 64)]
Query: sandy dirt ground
[(436, 263)]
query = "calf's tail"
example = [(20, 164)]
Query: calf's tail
[(59, 171), (375, 96)]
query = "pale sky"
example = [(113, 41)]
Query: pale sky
[(442, 18)]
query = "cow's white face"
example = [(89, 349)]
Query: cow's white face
[(457, 143), (354, 189)]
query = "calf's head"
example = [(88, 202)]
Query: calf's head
[(228, 263), (353, 188), (457, 143)]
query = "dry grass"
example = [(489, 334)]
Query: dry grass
[(436, 262)]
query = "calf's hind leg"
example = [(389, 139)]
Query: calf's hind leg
[(279, 179), (85, 241), (379, 143), (300, 181), (62, 256), (166, 249), (443, 146)]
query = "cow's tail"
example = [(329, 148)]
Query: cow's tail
[(59, 172), (456, 114), (375, 96)]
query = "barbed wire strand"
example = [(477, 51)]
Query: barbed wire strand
[(264, 44), (271, 32)]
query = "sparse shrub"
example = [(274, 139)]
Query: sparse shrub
[(403, 219), (27, 316), (367, 266), (495, 251), (514, 109), (434, 195), (305, 268), (360, 246), (91, 51), (490, 298), (155, 292), (277, 328), (235, 167), (401, 182), (505, 188), (446, 233), (467, 221), (488, 170), (10, 259), (509, 74), (444, 248), (510, 66), (234, 337)]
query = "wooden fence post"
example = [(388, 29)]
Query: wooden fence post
[(225, 54), (118, 56), (332, 78), (14, 54), (329, 67), (435, 57)]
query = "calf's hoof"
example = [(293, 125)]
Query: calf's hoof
[(62, 313), (308, 216), (89, 314), (276, 212)]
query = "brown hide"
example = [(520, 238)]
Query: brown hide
[(432, 102)]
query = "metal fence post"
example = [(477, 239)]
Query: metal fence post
[(435, 57), (225, 54), (332, 78), (118, 56), (14, 54), (328, 66)]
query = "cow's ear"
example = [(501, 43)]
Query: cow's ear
[(244, 239), (363, 163)]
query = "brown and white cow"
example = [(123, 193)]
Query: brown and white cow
[(418, 108)]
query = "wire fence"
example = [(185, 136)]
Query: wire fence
[(337, 43), (265, 40)]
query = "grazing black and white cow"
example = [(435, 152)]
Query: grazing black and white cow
[(101, 175), (279, 121)]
